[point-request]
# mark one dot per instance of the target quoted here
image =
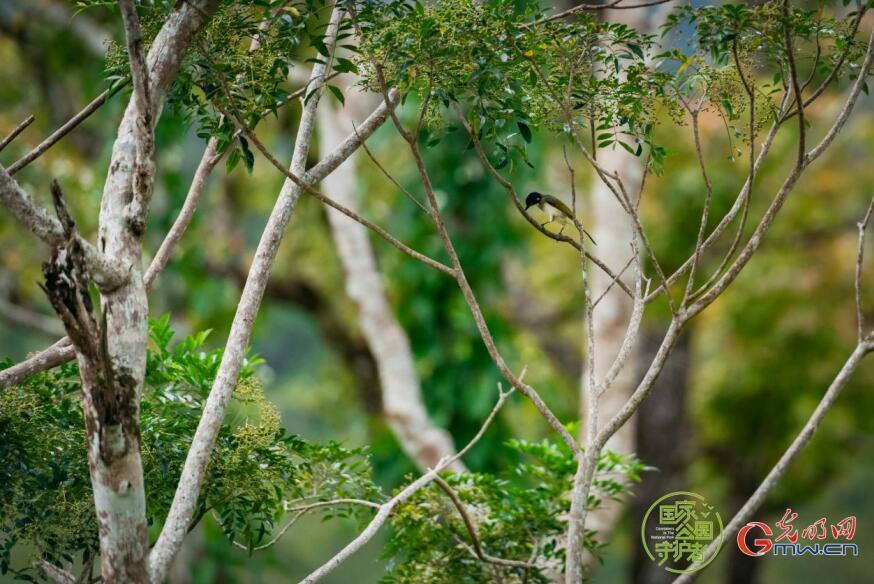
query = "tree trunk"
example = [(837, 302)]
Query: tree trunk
[(613, 230), (112, 354), (402, 402)]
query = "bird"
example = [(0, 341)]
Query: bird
[(555, 210)]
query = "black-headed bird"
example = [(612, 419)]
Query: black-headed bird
[(555, 209)]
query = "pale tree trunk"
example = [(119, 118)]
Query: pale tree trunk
[(613, 230), (112, 353), (402, 402)]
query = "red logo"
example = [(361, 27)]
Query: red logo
[(787, 540), (764, 545)]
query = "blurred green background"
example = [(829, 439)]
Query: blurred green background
[(753, 367)]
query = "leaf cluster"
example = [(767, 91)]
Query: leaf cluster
[(520, 514), (254, 469)]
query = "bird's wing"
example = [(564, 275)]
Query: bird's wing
[(558, 204)]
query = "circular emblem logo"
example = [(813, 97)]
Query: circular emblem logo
[(677, 530)]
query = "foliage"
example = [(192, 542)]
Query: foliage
[(510, 76), (519, 514), (239, 63), (738, 49), (255, 468), (482, 57)]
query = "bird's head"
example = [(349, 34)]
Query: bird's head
[(532, 199)]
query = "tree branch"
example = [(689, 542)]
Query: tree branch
[(15, 132), (54, 573), (66, 128), (386, 508), (770, 481), (188, 489), (208, 162), (106, 272), (470, 526)]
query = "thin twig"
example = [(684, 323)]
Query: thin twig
[(615, 5), (66, 128), (862, 225), (298, 513), (389, 176), (386, 508), (208, 162), (346, 211), (470, 526), (15, 132)]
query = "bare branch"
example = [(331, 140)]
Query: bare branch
[(30, 214), (845, 112), (208, 162), (54, 573), (631, 333), (575, 549), (107, 273), (188, 489), (61, 352), (470, 526), (770, 481), (386, 508), (66, 128), (298, 513), (393, 180), (696, 255), (15, 132), (860, 256)]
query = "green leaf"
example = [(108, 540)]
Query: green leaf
[(525, 131), (233, 160), (248, 156), (338, 94)]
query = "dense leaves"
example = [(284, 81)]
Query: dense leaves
[(255, 468), (518, 515)]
